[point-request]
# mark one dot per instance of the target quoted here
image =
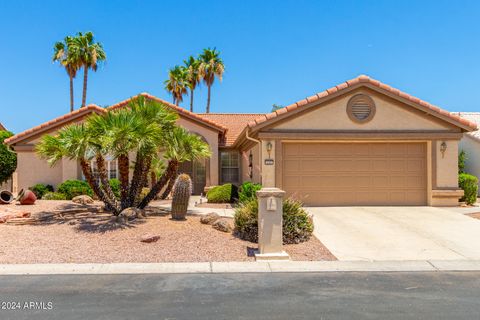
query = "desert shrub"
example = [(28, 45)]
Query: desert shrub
[(226, 193), (73, 188), (40, 189), (462, 157), (115, 185), (54, 196), (297, 224), (248, 191), (469, 184), (8, 158)]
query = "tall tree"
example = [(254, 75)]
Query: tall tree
[(89, 53), (211, 66), (193, 78), (176, 84), (63, 55)]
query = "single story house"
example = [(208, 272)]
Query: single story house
[(470, 143), (359, 143)]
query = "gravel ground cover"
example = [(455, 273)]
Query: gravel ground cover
[(86, 234)]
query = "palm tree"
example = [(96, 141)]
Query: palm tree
[(211, 66), (74, 143), (64, 56), (89, 53), (193, 79), (180, 146), (176, 84)]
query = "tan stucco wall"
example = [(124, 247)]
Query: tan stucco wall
[(211, 136), (31, 170), (388, 116), (447, 165), (472, 149), (256, 165), (268, 171)]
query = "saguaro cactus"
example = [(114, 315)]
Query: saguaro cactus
[(182, 189)]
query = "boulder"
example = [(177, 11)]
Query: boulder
[(149, 238), (83, 199), (130, 214), (210, 218), (223, 224)]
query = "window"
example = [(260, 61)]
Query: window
[(111, 165), (361, 108), (230, 166)]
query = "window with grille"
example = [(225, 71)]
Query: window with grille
[(230, 166)]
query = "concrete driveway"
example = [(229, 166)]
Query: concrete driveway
[(397, 233)]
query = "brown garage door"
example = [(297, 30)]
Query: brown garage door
[(342, 174)]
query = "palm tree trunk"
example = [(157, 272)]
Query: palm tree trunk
[(123, 168), (172, 175), (139, 179), (71, 93), (153, 179), (191, 100), (107, 189), (208, 99), (85, 80), (157, 187), (87, 172)]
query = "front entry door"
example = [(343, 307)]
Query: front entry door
[(197, 172)]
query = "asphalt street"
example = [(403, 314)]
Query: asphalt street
[(332, 295)]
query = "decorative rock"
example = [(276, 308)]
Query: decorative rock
[(149, 238), (83, 199), (210, 218), (223, 224), (129, 214)]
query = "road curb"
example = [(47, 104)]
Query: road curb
[(241, 267)]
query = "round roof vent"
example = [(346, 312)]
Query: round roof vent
[(361, 108)]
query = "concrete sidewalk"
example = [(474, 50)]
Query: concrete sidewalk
[(239, 267)]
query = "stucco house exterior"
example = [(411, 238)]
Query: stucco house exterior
[(470, 143), (359, 143)]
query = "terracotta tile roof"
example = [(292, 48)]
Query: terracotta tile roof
[(355, 82), (235, 122), (473, 117), (179, 110), (49, 124)]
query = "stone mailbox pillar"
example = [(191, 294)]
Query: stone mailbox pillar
[(270, 214)]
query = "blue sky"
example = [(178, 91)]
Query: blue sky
[(274, 51)]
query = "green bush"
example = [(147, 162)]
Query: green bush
[(115, 185), (469, 184), (297, 224), (73, 188), (8, 158), (462, 157), (226, 193), (54, 196), (247, 191), (40, 189)]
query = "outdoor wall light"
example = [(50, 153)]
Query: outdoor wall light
[(443, 148), (269, 148)]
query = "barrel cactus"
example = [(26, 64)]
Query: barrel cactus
[(182, 189)]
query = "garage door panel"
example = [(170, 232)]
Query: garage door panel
[(356, 173)]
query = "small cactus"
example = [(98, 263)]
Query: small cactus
[(182, 189)]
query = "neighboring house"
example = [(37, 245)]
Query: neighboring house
[(359, 143), (470, 143), (2, 127)]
